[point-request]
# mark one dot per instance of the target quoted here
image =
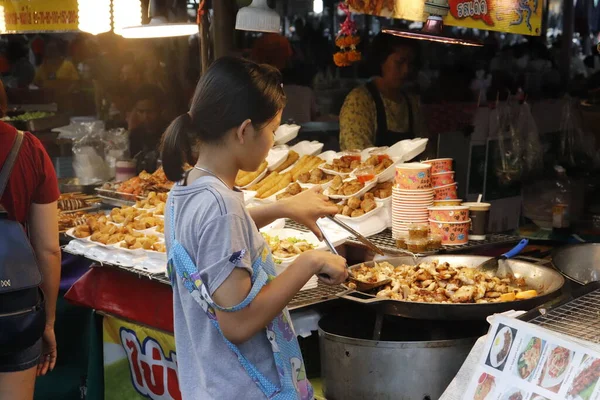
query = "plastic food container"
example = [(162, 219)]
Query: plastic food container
[(417, 246), (401, 241), (365, 174), (418, 231), (434, 242), (353, 155)]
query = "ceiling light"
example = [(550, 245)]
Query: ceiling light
[(317, 6), (126, 13), (93, 16), (159, 26), (258, 17)]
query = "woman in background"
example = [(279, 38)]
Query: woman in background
[(381, 112)]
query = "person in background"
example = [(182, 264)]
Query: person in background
[(30, 198), (22, 72), (275, 50), (130, 75), (381, 113), (56, 72), (146, 124)]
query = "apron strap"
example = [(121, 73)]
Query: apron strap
[(411, 126), (380, 110)]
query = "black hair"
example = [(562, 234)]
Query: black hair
[(231, 91), (385, 44), (149, 92)]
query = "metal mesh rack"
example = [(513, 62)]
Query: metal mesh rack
[(579, 318), (314, 296), (386, 242)]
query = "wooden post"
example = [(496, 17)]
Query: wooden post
[(205, 43), (223, 25)]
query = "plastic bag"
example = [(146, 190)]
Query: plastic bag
[(577, 147), (88, 155), (520, 148), (116, 147), (509, 166)]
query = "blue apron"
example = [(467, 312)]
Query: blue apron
[(293, 383)]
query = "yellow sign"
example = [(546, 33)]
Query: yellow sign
[(512, 16), (23, 16), (139, 362)]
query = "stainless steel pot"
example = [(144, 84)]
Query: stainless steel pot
[(354, 367), (546, 281), (579, 262)]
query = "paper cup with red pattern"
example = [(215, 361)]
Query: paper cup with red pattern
[(413, 176), (453, 233), (449, 214), (446, 192), (446, 203), (441, 179), (439, 165)]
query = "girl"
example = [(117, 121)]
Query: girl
[(233, 334)]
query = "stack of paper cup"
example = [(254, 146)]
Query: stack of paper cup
[(442, 179), (412, 195)]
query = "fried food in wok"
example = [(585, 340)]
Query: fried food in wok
[(434, 282)]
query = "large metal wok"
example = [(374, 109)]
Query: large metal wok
[(546, 281), (579, 262)]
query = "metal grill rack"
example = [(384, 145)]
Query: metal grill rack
[(386, 242), (317, 295), (579, 318)]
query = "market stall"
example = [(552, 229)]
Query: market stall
[(126, 245)]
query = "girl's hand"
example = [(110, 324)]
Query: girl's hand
[(307, 207), (330, 268)]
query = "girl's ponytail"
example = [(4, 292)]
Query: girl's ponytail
[(176, 149), (231, 91)]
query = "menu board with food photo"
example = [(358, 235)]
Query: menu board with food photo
[(501, 346), (522, 361)]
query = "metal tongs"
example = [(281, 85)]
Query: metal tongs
[(357, 235), (362, 286)]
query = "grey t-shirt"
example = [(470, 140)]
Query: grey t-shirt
[(212, 224)]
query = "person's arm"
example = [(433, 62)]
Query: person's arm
[(304, 208), (357, 121), (239, 326), (43, 234)]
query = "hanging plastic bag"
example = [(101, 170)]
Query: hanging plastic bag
[(88, 155), (509, 166), (116, 147), (532, 153), (577, 147)]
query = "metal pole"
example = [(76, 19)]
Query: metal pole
[(567, 40)]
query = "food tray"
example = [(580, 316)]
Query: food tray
[(113, 194), (368, 186), (302, 299), (41, 124), (111, 201)]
